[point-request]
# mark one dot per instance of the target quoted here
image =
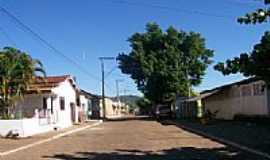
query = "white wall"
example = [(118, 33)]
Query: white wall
[(65, 90), (33, 124), (231, 102), (254, 104), (84, 103), (25, 127), (7, 126)]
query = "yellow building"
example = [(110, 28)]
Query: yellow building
[(114, 109)]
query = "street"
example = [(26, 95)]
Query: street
[(131, 139)]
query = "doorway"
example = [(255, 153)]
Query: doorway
[(73, 112)]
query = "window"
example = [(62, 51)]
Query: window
[(258, 89), (51, 105), (246, 91), (44, 103), (78, 101), (62, 103)]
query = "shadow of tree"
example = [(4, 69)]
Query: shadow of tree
[(138, 118), (186, 153), (252, 135)]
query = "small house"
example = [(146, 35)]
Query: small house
[(50, 104), (114, 109), (249, 97)]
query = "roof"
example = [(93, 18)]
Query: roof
[(207, 93), (220, 88), (88, 94), (45, 84), (242, 82), (201, 96)]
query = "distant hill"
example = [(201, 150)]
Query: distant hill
[(131, 99)]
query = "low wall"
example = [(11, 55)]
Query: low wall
[(7, 126), (25, 127)]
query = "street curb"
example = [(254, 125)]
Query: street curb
[(227, 142), (50, 139)]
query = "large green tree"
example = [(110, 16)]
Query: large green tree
[(257, 62), (165, 63), (17, 71)]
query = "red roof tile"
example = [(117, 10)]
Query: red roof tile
[(46, 83), (51, 79)]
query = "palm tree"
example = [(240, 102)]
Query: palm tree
[(17, 71)]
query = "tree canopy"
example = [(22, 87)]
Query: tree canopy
[(164, 64), (17, 70), (256, 63), (261, 15)]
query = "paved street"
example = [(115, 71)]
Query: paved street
[(133, 139)]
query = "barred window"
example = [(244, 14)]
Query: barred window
[(258, 89), (45, 103), (246, 91), (62, 103)]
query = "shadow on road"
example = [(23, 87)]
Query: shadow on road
[(186, 153), (252, 136), (143, 118)]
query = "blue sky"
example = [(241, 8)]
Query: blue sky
[(87, 29)]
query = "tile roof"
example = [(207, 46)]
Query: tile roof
[(46, 83), (242, 82)]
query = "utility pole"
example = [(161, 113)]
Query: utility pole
[(103, 83), (117, 88)]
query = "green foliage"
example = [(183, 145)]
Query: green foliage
[(261, 15), (17, 70), (143, 103), (164, 64), (257, 63)]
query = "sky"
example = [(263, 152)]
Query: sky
[(88, 29)]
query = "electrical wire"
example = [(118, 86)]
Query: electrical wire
[(27, 29), (8, 37), (180, 10)]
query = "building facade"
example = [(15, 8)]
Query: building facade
[(248, 97), (50, 104)]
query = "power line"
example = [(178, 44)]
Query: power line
[(7, 36), (246, 3), (185, 11), (27, 29), (113, 69)]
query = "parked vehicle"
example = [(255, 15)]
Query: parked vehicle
[(163, 111)]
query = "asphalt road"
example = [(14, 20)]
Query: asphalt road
[(132, 140)]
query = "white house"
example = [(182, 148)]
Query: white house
[(51, 103), (86, 102), (249, 97)]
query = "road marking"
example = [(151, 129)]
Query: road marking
[(96, 128), (49, 139)]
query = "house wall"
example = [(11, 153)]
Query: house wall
[(113, 109), (186, 109), (28, 104), (237, 100), (30, 121), (109, 108), (86, 106), (96, 107), (66, 90), (25, 127)]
